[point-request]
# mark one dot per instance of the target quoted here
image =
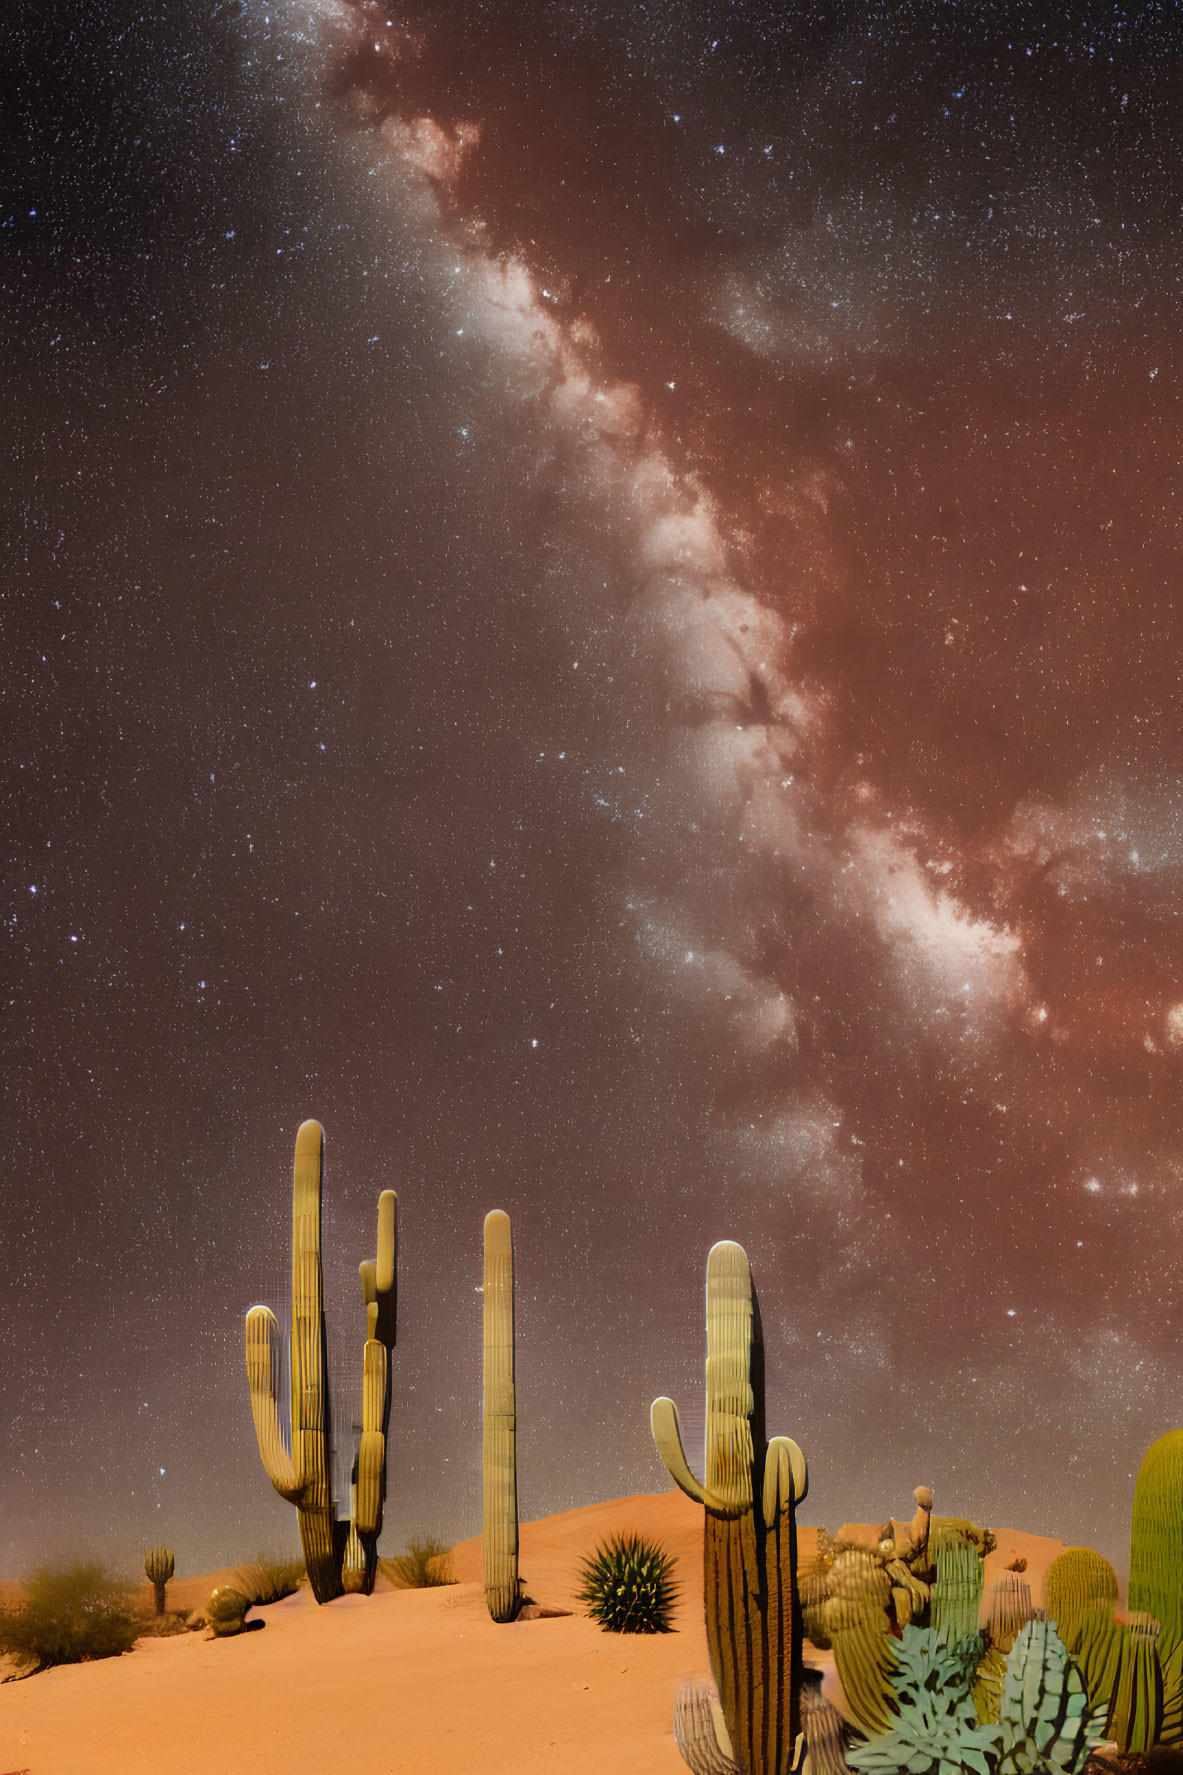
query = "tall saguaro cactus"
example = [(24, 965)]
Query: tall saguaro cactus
[(500, 1448), (749, 1497), (340, 1555)]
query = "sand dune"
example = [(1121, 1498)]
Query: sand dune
[(406, 1682)]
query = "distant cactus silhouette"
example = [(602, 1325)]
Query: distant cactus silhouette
[(159, 1566), (339, 1555)]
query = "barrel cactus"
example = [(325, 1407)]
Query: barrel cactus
[(226, 1610)]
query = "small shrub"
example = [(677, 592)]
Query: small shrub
[(628, 1586), (69, 1614), (271, 1578), (426, 1564)]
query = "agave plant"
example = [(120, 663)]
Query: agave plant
[(937, 1731), (628, 1586)]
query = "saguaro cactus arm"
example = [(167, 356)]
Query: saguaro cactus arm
[(667, 1434), (786, 1478), (262, 1365)]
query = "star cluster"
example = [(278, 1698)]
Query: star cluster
[(592, 602)]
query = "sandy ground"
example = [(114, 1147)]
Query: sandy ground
[(406, 1682)]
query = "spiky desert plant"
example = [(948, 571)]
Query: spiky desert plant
[(749, 1495), (226, 1611), (628, 1586), (1077, 1581), (159, 1566), (339, 1555), (499, 1454), (1046, 1725), (937, 1730)]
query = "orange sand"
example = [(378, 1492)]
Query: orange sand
[(418, 1682)]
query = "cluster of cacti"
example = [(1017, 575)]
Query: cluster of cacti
[(628, 1586), (1132, 1669), (499, 1532), (858, 1599), (159, 1566), (339, 1555), (749, 1495), (1044, 1724)]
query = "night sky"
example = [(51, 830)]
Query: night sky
[(591, 597)]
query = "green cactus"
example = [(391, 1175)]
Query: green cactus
[(499, 1533), (1136, 1708), (937, 1731), (1156, 1536), (957, 1591), (628, 1586), (1010, 1610), (159, 1566), (864, 1655), (1077, 1581), (1046, 1725), (749, 1496), (1098, 1649), (226, 1610), (339, 1555)]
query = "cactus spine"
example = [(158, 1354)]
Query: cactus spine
[(499, 1535), (339, 1555), (749, 1496), (159, 1566)]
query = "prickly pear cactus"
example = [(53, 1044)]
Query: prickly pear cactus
[(1046, 1725)]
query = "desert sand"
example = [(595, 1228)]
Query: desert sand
[(406, 1682)]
